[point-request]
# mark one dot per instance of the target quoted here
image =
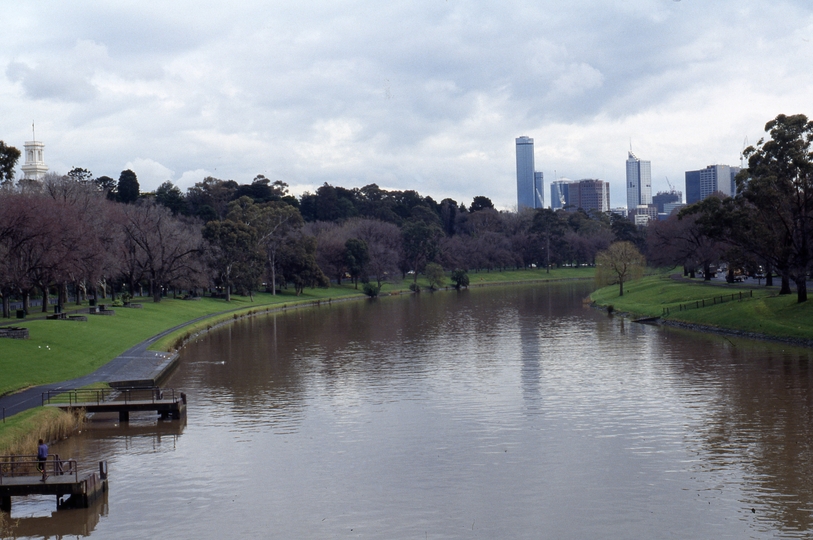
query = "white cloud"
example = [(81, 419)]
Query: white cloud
[(150, 173), (424, 95)]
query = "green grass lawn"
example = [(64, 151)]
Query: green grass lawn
[(59, 350), (765, 313)]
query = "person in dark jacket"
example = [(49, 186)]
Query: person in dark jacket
[(42, 457)]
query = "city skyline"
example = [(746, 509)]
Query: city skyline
[(416, 96)]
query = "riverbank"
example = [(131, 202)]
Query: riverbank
[(748, 310), (65, 350)]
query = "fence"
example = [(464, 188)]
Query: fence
[(706, 302)]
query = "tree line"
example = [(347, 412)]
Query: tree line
[(82, 236), (89, 236)]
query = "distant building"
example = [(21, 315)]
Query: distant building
[(592, 195), (539, 190), (560, 194), (665, 197), (669, 209), (586, 194), (34, 167), (700, 184), (639, 182), (643, 214), (529, 193)]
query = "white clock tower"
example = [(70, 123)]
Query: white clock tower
[(35, 167)]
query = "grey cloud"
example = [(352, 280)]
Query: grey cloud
[(44, 83)]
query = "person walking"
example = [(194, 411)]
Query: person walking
[(42, 458)]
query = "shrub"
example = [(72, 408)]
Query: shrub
[(460, 278), (371, 289)]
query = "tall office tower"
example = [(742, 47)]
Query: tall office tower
[(592, 195), (34, 167), (525, 173), (734, 172), (559, 194), (639, 182), (700, 184), (539, 190)]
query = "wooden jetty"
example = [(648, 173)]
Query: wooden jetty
[(166, 402), (19, 477)]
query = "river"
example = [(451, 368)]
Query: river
[(502, 412)]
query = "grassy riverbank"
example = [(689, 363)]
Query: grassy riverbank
[(764, 313), (62, 350)]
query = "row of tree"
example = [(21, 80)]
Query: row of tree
[(68, 233)]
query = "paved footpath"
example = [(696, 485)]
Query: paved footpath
[(134, 367)]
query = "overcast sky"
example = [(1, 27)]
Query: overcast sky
[(426, 94)]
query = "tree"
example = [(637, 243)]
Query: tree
[(233, 255), (778, 186), (356, 256), (80, 175), (435, 275), (165, 246), (421, 242), (8, 160), (298, 263), (127, 190), (170, 195), (480, 203), (548, 226), (619, 263), (106, 185)]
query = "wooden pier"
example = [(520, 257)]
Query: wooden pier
[(20, 476), (165, 402)]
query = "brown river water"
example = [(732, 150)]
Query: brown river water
[(503, 412)]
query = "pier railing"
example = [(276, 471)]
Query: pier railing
[(28, 465), (707, 302), (105, 395)]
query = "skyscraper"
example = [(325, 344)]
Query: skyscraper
[(700, 184), (559, 194), (593, 195), (526, 196), (539, 189), (639, 182)]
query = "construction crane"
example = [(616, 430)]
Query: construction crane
[(671, 187), (742, 152)]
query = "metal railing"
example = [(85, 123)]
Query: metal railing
[(106, 395), (707, 302), (29, 465)]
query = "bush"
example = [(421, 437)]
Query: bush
[(371, 290), (460, 278), (414, 287)]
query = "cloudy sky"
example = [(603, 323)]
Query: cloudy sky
[(426, 94)]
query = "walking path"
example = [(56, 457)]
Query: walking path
[(136, 366)]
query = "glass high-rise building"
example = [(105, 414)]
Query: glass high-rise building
[(639, 182), (529, 195), (559, 194), (714, 178)]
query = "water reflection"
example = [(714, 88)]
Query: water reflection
[(500, 413), (38, 518)]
